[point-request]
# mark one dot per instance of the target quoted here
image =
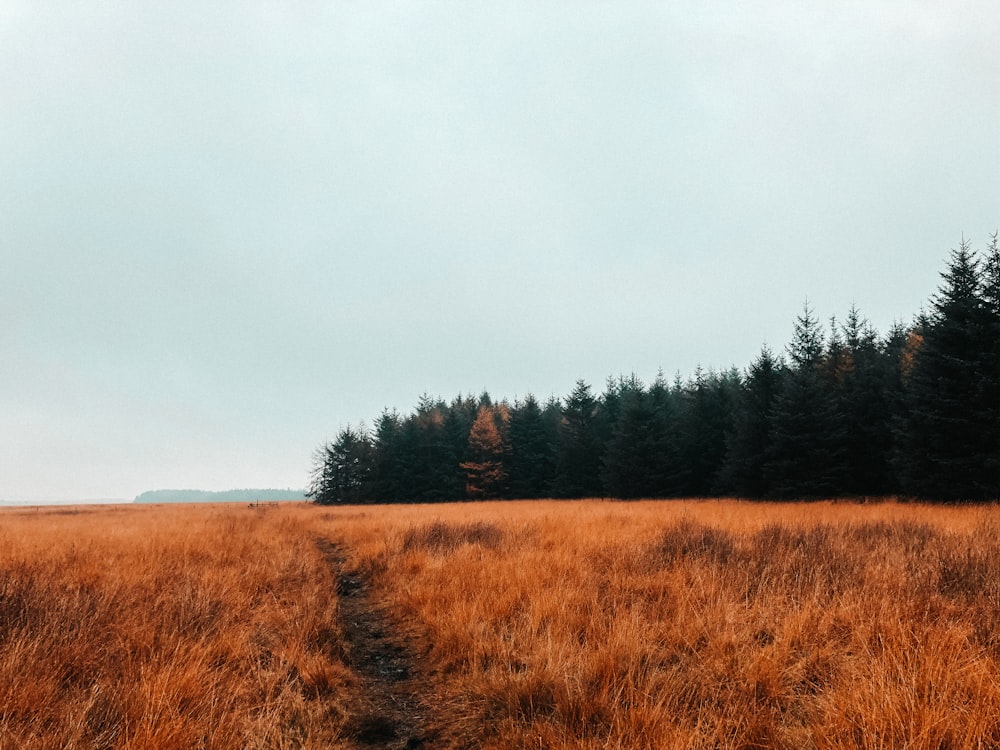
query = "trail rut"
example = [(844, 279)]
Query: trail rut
[(389, 713)]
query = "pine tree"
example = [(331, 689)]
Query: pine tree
[(321, 478), (344, 469), (865, 382), (457, 420), (807, 451), (990, 389), (633, 460), (388, 479), (703, 420), (945, 435), (748, 442), (428, 457), (578, 456), (667, 467), (612, 403), (532, 450)]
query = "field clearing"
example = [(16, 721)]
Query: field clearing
[(543, 624), (167, 627)]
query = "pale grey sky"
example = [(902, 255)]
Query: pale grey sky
[(228, 231)]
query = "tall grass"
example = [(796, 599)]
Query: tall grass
[(170, 627), (699, 625), (533, 625)]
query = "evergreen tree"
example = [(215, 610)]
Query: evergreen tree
[(667, 467), (703, 420), (945, 436), (633, 461), (578, 455), (321, 477), (532, 450), (457, 420), (865, 379), (990, 389), (388, 478), (838, 361), (612, 402), (429, 459), (807, 450), (343, 469), (748, 442)]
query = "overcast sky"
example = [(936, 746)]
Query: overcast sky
[(228, 230)]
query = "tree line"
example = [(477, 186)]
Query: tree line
[(843, 411)]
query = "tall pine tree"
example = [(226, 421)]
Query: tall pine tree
[(705, 415), (748, 442), (578, 455), (388, 478), (990, 389), (866, 386), (343, 469), (633, 459), (945, 434), (533, 438), (807, 450)]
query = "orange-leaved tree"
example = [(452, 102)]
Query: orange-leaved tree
[(486, 475)]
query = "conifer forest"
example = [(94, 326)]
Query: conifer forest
[(844, 410)]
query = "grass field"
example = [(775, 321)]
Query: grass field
[(167, 627), (713, 624)]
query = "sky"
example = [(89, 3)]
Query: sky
[(228, 230)]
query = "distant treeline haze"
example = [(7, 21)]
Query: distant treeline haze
[(845, 411), (227, 496)]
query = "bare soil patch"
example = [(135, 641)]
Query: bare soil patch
[(388, 711)]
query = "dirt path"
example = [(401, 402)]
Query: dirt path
[(390, 714)]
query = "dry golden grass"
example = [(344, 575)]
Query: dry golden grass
[(697, 624), (166, 627), (714, 624)]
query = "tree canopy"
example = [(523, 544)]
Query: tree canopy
[(842, 412)]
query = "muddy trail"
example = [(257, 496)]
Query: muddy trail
[(389, 713)]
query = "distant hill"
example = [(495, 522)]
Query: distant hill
[(229, 496)]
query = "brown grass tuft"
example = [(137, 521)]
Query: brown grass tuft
[(686, 540), (439, 537)]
